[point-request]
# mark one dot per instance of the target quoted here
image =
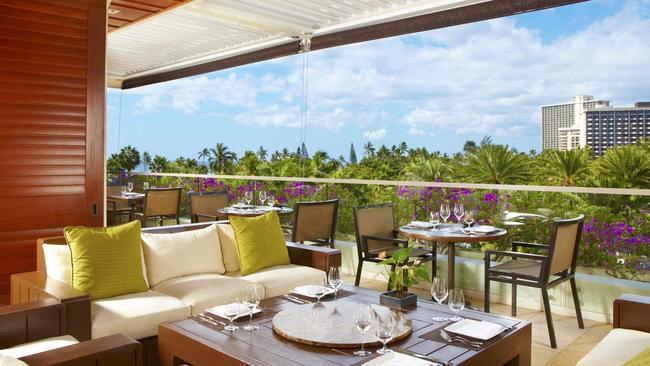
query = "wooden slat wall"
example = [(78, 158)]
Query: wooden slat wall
[(52, 108)]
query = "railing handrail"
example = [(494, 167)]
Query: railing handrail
[(501, 187)]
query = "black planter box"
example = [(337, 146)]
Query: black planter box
[(391, 299)]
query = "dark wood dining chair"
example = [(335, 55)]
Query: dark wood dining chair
[(556, 265), (315, 222), (205, 206), (160, 204), (117, 208), (375, 233)]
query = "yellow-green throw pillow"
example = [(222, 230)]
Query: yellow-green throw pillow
[(260, 242), (106, 262), (641, 359)]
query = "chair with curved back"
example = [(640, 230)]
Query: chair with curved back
[(375, 233), (315, 222), (160, 204), (204, 206), (117, 208), (537, 270)]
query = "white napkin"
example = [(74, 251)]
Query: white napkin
[(310, 290), (397, 359), (420, 224), (220, 311), (482, 229), (476, 329)]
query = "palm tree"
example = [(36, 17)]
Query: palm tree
[(469, 146), (427, 170), (204, 154), (262, 153), (146, 160), (221, 160), (368, 150), (497, 164), (248, 163), (566, 168), (129, 158), (159, 164), (625, 167)]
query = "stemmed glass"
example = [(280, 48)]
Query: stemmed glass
[(439, 292), (145, 185), (363, 319), (445, 211), (319, 292), (123, 190), (334, 279), (129, 186), (459, 211), (248, 197), (262, 197), (469, 217), (385, 330), (251, 299), (231, 311), (434, 218), (270, 200), (456, 303)]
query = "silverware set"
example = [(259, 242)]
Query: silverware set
[(208, 319), (455, 338), (296, 299)]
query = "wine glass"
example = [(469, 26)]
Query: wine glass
[(319, 292), (445, 212), (270, 200), (251, 299), (385, 330), (129, 186), (123, 190), (334, 279), (456, 303), (434, 218), (363, 319), (145, 185), (262, 197), (231, 311), (439, 292), (469, 217), (248, 197), (459, 211)]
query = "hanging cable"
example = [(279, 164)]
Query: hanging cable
[(305, 47)]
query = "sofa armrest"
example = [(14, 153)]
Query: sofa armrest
[(631, 312), (314, 256), (116, 349), (29, 322), (32, 286)]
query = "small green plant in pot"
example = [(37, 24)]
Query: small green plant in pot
[(402, 274)]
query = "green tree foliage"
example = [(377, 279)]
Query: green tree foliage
[(222, 160), (566, 168), (497, 164), (129, 158), (160, 164), (353, 155), (624, 167), (146, 160)]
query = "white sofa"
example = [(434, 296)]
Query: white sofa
[(184, 277), (630, 336)]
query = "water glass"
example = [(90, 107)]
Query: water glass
[(456, 303), (251, 299), (262, 197), (434, 218), (129, 186), (469, 218), (319, 292), (145, 185), (248, 197), (270, 200), (334, 279), (445, 211), (439, 293), (459, 211), (385, 330), (364, 318), (231, 311), (123, 190)]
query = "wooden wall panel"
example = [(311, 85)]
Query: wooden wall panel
[(52, 111)]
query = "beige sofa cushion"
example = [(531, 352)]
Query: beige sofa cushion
[(181, 254), (202, 291), (43, 345), (279, 280), (616, 348), (228, 247), (10, 361), (135, 315)]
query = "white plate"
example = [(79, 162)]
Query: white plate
[(482, 229), (243, 311), (397, 359), (310, 290), (420, 225), (476, 329)]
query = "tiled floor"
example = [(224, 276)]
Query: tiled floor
[(573, 342)]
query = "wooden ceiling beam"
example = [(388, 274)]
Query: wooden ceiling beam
[(447, 18)]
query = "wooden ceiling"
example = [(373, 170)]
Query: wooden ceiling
[(126, 12)]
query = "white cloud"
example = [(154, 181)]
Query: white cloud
[(375, 135), (414, 131)]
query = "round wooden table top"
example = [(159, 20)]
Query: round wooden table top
[(251, 211), (451, 233), (323, 326)]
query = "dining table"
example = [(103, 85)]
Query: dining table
[(251, 211), (450, 234), (131, 198)]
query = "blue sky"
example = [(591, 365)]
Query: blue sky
[(435, 89)]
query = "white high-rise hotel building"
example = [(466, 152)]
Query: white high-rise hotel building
[(562, 124)]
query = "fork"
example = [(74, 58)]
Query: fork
[(205, 317), (446, 336)]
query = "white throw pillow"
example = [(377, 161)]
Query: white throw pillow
[(181, 254), (228, 247), (58, 263)]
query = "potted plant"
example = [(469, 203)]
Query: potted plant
[(402, 274)]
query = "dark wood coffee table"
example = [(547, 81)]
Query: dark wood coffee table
[(198, 343)]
